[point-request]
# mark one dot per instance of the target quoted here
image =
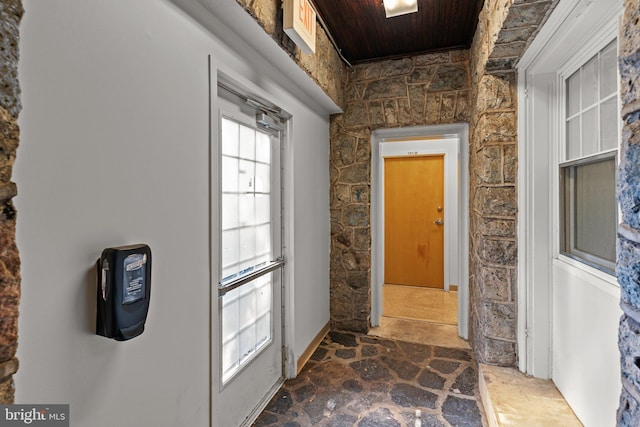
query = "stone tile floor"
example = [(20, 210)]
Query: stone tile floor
[(366, 381)]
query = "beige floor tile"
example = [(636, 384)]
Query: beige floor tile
[(415, 302), (419, 331), (511, 399)]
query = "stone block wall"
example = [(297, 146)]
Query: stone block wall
[(423, 90), (325, 66), (493, 200), (505, 28), (10, 15), (628, 262)]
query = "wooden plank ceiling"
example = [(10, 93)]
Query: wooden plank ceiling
[(364, 34)]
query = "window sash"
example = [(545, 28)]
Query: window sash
[(247, 227), (591, 136), (572, 217)]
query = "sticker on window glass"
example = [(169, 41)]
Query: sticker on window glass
[(134, 273)]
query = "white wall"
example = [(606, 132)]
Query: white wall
[(586, 367), (311, 275), (114, 150)]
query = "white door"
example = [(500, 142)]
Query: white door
[(249, 301)]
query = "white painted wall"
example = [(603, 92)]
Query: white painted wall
[(311, 219), (586, 366), (114, 150)]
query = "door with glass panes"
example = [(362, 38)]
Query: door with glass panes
[(249, 291)]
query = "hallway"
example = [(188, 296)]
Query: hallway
[(121, 114), (367, 381)]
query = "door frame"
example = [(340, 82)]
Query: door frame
[(453, 141), (286, 305)]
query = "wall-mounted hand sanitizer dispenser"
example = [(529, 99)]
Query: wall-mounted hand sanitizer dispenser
[(124, 289)]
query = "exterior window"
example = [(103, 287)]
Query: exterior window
[(588, 210)]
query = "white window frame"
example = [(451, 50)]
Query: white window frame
[(591, 48)]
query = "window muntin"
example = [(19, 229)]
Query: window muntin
[(591, 94), (246, 323), (246, 199), (248, 243), (588, 214)]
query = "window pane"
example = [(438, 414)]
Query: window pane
[(246, 323), (263, 330), (263, 178), (263, 148), (247, 214), (608, 70), (263, 208), (247, 143), (590, 131), (230, 212), (247, 343), (573, 138), (229, 174), (573, 94), (609, 119), (230, 248), (263, 295), (246, 176), (229, 138), (589, 83), (229, 358), (596, 217), (247, 307), (589, 214), (231, 314), (263, 240), (248, 246)]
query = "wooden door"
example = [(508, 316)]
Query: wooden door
[(414, 221)]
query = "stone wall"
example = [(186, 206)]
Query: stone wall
[(505, 28), (10, 15), (628, 263), (325, 66), (423, 90)]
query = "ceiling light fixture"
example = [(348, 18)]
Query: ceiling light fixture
[(399, 7)]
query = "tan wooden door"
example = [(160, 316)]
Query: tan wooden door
[(414, 221)]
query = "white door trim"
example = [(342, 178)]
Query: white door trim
[(453, 140)]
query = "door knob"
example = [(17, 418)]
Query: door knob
[(438, 221)]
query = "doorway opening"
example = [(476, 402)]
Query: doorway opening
[(414, 285), (419, 211)]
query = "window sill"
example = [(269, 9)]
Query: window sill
[(591, 276)]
